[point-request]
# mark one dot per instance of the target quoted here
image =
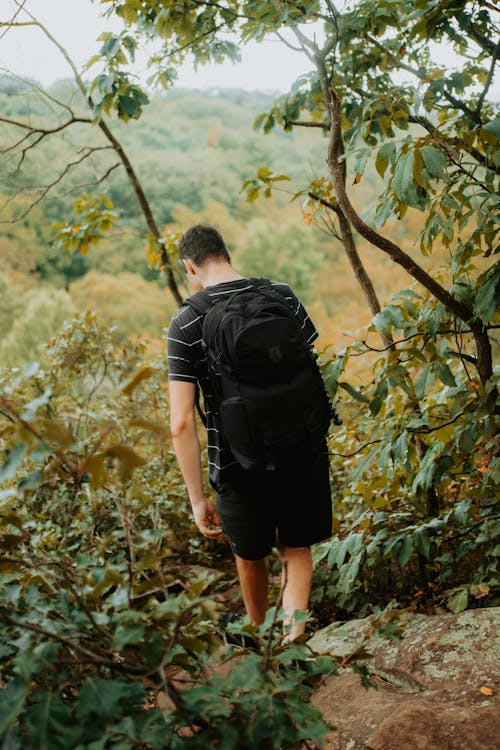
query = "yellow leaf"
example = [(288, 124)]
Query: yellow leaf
[(143, 374), (159, 429), (128, 460), (84, 248), (96, 469), (58, 433), (486, 691)]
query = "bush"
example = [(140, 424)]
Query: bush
[(104, 601)]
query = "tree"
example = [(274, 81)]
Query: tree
[(107, 92), (434, 137)]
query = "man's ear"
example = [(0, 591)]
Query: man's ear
[(190, 267)]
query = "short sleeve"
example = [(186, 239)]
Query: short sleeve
[(181, 364)]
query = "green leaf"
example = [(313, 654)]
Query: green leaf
[(11, 705), (103, 698), (493, 127), (353, 392), (458, 601), (379, 396), (385, 155), (422, 542), (444, 374), (421, 382), (435, 160), (33, 406), (263, 173), (403, 181), (404, 550), (488, 293), (391, 316), (49, 723), (428, 466), (399, 448), (125, 634)]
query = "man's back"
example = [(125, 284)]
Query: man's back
[(187, 359)]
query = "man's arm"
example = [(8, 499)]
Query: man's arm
[(187, 450)]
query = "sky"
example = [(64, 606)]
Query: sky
[(76, 24)]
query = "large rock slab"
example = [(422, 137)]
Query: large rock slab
[(432, 686)]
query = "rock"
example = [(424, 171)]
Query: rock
[(429, 684)]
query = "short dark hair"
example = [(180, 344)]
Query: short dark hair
[(201, 242)]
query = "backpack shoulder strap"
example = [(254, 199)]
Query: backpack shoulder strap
[(201, 302)]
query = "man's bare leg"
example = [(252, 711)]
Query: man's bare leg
[(253, 583), (296, 580)]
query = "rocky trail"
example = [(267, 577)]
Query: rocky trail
[(437, 687)]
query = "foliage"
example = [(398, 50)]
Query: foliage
[(417, 512), (93, 218), (191, 150), (30, 319), (131, 304), (106, 599), (430, 476)]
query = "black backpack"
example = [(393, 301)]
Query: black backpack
[(270, 401)]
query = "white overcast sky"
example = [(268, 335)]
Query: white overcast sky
[(76, 24)]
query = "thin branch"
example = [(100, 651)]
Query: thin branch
[(471, 114), (442, 139), (12, 20), (383, 243), (489, 80), (327, 204), (43, 95), (42, 133), (425, 334), (131, 174), (96, 658), (306, 124), (350, 455), (92, 183), (45, 189), (288, 44)]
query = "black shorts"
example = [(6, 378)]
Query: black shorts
[(290, 506)]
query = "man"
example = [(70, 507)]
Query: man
[(291, 503)]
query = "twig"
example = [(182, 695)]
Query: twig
[(350, 455), (11, 22)]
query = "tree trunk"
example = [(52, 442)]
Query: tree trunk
[(483, 344), (360, 272)]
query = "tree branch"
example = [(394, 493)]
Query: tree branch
[(45, 189), (489, 80), (131, 174), (471, 114), (305, 124), (384, 244)]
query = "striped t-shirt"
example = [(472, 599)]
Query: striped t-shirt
[(187, 362)]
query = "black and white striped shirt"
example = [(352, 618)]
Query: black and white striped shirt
[(186, 360)]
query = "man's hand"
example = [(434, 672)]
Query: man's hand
[(206, 519)]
